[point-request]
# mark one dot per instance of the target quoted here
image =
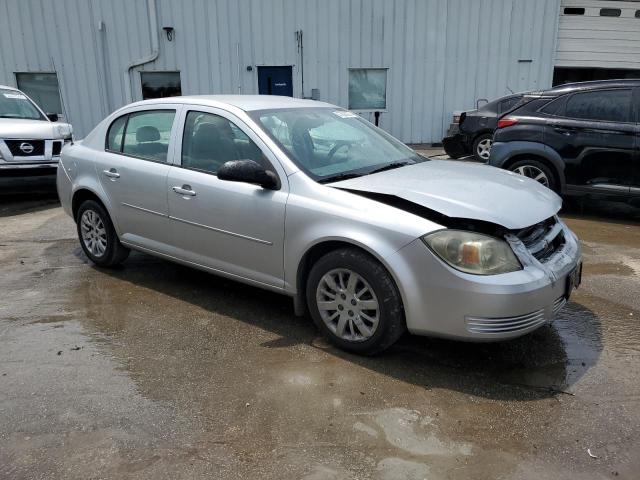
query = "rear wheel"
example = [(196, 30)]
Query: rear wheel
[(354, 302), (97, 236), (536, 170), (482, 147)]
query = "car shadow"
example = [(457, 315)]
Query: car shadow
[(622, 213), (23, 194), (542, 364)]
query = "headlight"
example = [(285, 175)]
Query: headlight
[(64, 130), (472, 252)]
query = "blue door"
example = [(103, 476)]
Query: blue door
[(275, 81)]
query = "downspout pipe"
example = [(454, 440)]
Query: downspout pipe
[(153, 25)]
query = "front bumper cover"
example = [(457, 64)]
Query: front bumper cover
[(441, 301)]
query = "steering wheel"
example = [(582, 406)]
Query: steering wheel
[(339, 144)]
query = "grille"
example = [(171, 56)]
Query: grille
[(543, 239), (505, 325), (16, 151), (57, 147)]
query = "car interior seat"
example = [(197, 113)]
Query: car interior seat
[(211, 146), (148, 144)]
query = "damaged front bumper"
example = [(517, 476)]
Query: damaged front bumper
[(448, 303), (456, 146)]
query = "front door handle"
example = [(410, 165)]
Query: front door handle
[(111, 173), (184, 190)]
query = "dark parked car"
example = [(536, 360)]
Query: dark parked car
[(476, 129), (580, 138)]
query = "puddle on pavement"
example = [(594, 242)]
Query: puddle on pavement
[(399, 469), (259, 388), (416, 434)]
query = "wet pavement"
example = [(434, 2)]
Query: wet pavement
[(157, 371)]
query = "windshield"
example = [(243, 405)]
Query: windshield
[(14, 104), (330, 144)]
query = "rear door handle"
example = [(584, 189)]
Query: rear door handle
[(564, 130), (184, 190), (111, 173)]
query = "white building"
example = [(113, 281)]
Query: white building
[(415, 61)]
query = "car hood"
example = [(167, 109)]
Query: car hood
[(28, 129), (464, 190)]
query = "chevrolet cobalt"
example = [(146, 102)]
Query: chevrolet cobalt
[(310, 200)]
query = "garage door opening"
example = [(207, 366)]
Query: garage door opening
[(562, 75)]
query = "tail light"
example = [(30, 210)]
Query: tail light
[(507, 122)]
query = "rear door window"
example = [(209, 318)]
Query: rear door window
[(603, 105), (147, 134)]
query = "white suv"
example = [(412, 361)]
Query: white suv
[(29, 138)]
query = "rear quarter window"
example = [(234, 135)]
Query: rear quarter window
[(507, 104), (115, 134), (555, 107)]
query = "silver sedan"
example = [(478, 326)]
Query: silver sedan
[(310, 200)]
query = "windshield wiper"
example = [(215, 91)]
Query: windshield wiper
[(339, 177), (348, 175), (392, 166)]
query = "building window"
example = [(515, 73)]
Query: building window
[(160, 84), (574, 11), (610, 12), (367, 88), (43, 89)]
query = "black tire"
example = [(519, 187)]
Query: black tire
[(114, 253), (391, 322), (476, 144), (550, 174)]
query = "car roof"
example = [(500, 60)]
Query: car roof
[(586, 86), (243, 102), (7, 87)]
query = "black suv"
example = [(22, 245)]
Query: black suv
[(580, 138)]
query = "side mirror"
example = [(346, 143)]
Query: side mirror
[(52, 116), (248, 171)]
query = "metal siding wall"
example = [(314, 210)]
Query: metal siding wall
[(442, 55)]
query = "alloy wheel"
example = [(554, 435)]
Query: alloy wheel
[(534, 173), (484, 148), (94, 234), (348, 305)]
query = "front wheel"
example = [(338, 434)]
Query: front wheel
[(354, 302), (97, 236), (538, 171)]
